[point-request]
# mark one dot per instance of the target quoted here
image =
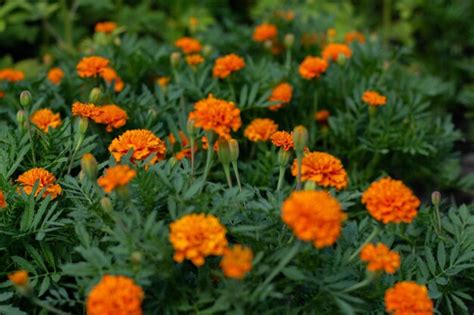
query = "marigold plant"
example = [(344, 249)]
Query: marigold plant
[(3, 202), (312, 67), (45, 179), (115, 177), (264, 32), (55, 75), (11, 75), (373, 98), (282, 139), (332, 51), (143, 143), (225, 66), (282, 93), (188, 45), (322, 116), (354, 36), (45, 118), (408, 297), (91, 66), (85, 110), (105, 27), (111, 115), (260, 129), (236, 261), (194, 60), (19, 278), (380, 258)]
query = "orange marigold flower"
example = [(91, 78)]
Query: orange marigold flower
[(55, 75), (408, 297), (105, 27), (142, 141), (282, 139), (217, 115), (380, 258), (118, 295), (91, 66), (196, 236), (163, 81), (373, 98), (11, 75), (85, 110), (194, 60), (115, 177), (111, 115), (188, 45), (205, 144), (283, 93), (322, 116), (352, 36), (332, 51), (312, 67), (45, 179), (186, 151), (264, 32), (260, 129), (313, 216), (2, 94), (390, 201), (322, 168), (109, 75), (237, 261), (19, 278), (3, 202), (45, 118), (224, 66)]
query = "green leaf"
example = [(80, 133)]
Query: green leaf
[(441, 255), (430, 260)]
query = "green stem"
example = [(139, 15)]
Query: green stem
[(236, 172), (288, 62), (74, 152), (227, 174), (192, 155), (281, 176), (30, 135), (299, 161), (438, 217), (210, 152), (374, 233), (232, 90), (361, 284)]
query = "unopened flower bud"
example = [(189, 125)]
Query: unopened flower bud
[(94, 95), (268, 44), (89, 166), (81, 176), (21, 281), (436, 198), (83, 124), (173, 161), (300, 138), (21, 117), (341, 59), (289, 40), (25, 99), (224, 151), (309, 185), (283, 157), (234, 150), (136, 258), (106, 204), (190, 128), (175, 58), (207, 50)]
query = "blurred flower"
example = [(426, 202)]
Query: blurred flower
[(91, 66), (163, 81), (105, 27), (380, 258), (205, 144), (142, 141), (352, 36), (287, 15), (55, 75), (194, 60), (322, 116), (373, 98), (281, 93), (309, 39), (260, 129), (85, 110), (3, 202), (331, 33), (264, 32), (109, 75), (19, 278), (111, 115), (408, 297), (45, 180), (116, 176), (45, 118), (2, 94), (188, 45), (312, 67), (237, 261), (89, 166), (332, 51), (225, 65), (11, 75), (282, 139)]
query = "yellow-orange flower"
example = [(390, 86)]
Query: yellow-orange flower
[(111, 115), (196, 236), (11, 75), (115, 177), (313, 216), (163, 81), (85, 110), (373, 98), (109, 75), (408, 297), (45, 179), (91, 66), (332, 51), (282, 93), (322, 116), (312, 67), (380, 258), (142, 141), (105, 27), (352, 36), (3, 202), (217, 115), (117, 295), (260, 129), (188, 45), (19, 278), (390, 201), (55, 75), (237, 261), (282, 139), (194, 60), (45, 118), (264, 32), (323, 169), (224, 66)]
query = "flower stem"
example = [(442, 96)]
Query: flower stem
[(236, 172), (374, 233), (74, 152), (281, 176), (30, 135), (210, 152), (192, 155), (363, 283), (227, 174), (299, 160)]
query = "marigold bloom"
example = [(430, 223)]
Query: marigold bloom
[(322, 168), (163, 81), (217, 115), (264, 32), (205, 144), (260, 129), (237, 261), (313, 216), (312, 67), (186, 151), (116, 176), (118, 295), (105, 27), (19, 278), (3, 202), (45, 179), (55, 75), (11, 75), (45, 118), (380, 258), (142, 141), (194, 60), (322, 116), (332, 51), (373, 98), (282, 139), (196, 236), (111, 115), (408, 297), (390, 201), (224, 66), (283, 93), (352, 36), (85, 110), (188, 45), (91, 66), (109, 75)]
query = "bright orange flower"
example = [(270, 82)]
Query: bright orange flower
[(188, 45), (19, 278), (380, 258), (117, 295), (85, 110), (312, 67), (217, 115), (142, 141), (45, 179), (2, 94), (205, 144), (111, 115), (109, 75), (264, 32), (55, 75), (196, 236), (45, 118), (105, 27), (408, 297), (11, 75), (323, 169), (3, 202), (194, 60), (352, 36), (163, 81), (283, 139), (283, 93), (260, 129), (186, 150), (115, 177), (373, 98), (224, 66), (237, 261), (322, 116), (91, 66), (313, 216), (390, 201), (332, 51)]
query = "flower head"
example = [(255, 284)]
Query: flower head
[(224, 66), (45, 118), (3, 202), (408, 297), (185, 152), (264, 32), (118, 295), (105, 27), (163, 81), (313, 216), (19, 278), (142, 141), (91, 66), (332, 51), (260, 129), (11, 75), (373, 98), (390, 201), (322, 116), (380, 258), (282, 93), (196, 236), (282, 139), (109, 75), (352, 36), (85, 110), (312, 67), (322, 168), (55, 75), (188, 45), (237, 261), (116, 176), (205, 144), (194, 60), (45, 179), (111, 115)]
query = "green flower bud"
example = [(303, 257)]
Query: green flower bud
[(89, 166), (283, 157), (173, 161), (175, 58), (94, 95), (300, 138), (436, 198), (234, 150), (21, 117), (25, 99), (224, 151), (106, 204), (268, 44), (136, 258), (190, 128), (341, 59), (83, 125), (309, 185), (207, 50), (289, 40)]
